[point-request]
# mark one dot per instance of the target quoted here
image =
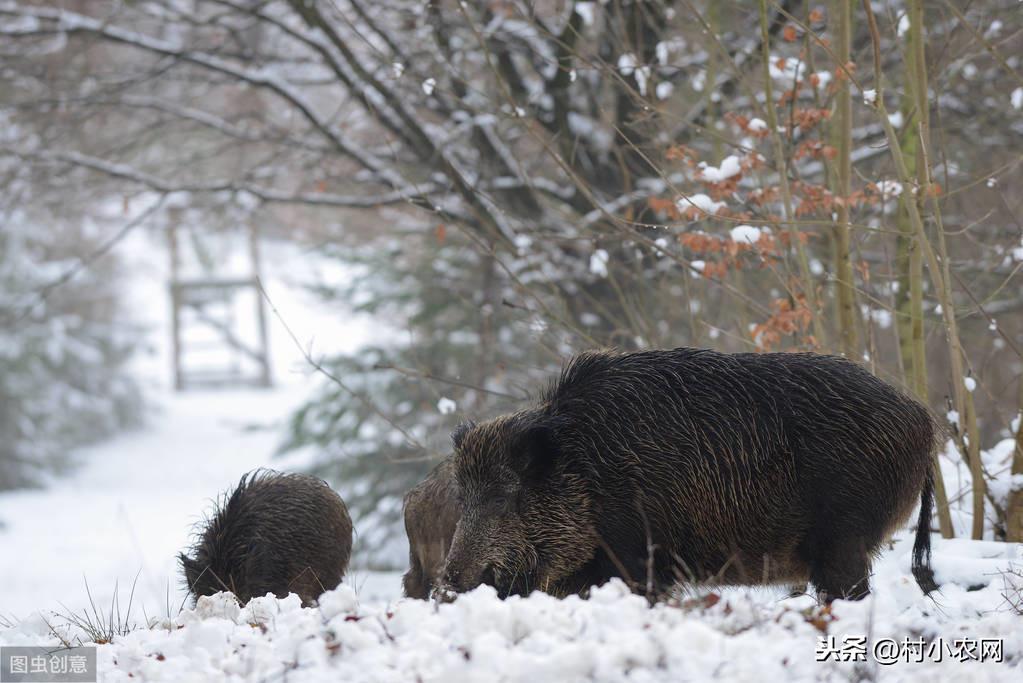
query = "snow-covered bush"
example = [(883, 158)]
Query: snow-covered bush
[(62, 351)]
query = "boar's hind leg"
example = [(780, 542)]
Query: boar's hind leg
[(840, 568)]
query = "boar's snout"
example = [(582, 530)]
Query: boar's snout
[(470, 560), (461, 581)]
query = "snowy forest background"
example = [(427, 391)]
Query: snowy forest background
[(505, 183)]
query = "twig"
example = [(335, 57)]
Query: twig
[(410, 372), (316, 365), (44, 292), (990, 319)]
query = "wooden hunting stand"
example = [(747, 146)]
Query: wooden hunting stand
[(208, 301)]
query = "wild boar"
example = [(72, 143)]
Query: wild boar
[(692, 465), (275, 533), (431, 513)]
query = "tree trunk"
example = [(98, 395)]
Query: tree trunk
[(908, 257), (842, 132)]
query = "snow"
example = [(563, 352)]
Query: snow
[(664, 90), (999, 460), (729, 168), (661, 51), (627, 63), (445, 406), (523, 243), (586, 11), (787, 71), (598, 262), (734, 634), (428, 85), (642, 78), (745, 233), (904, 25), (889, 188), (1016, 98), (823, 79), (970, 383), (870, 97), (757, 125), (699, 81), (701, 202), (882, 317)]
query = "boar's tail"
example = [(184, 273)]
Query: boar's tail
[(922, 571)]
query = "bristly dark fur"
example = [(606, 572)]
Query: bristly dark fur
[(431, 514), (693, 465), (275, 533)]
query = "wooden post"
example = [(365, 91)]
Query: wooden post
[(175, 293), (266, 378)]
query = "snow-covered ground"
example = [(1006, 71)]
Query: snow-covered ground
[(739, 635)]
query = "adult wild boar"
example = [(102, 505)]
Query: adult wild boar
[(275, 533), (431, 513), (692, 465)]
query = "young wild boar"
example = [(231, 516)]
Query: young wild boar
[(692, 465), (431, 513), (275, 533)]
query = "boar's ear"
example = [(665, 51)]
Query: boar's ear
[(536, 452), (458, 435)]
